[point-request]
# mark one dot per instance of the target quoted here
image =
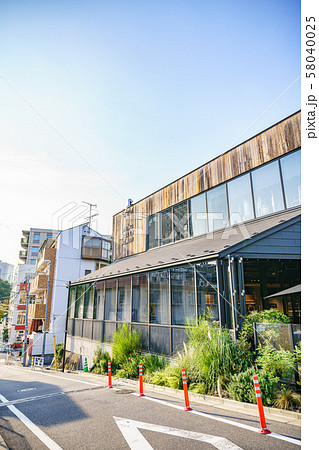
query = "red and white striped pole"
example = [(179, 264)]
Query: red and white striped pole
[(110, 375), (141, 380), (263, 425), (187, 407)]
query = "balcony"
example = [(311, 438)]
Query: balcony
[(23, 255), (24, 242), (39, 283), (36, 311), (45, 255), (96, 248)]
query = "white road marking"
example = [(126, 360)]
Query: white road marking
[(47, 441), (220, 419), (29, 399), (62, 378), (136, 441)]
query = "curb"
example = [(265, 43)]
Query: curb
[(225, 403), (280, 415)]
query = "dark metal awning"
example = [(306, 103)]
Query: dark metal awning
[(292, 290)]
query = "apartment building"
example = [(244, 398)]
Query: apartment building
[(6, 271), (31, 242), (73, 253), (17, 305)]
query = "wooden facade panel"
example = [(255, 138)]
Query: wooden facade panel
[(129, 226)]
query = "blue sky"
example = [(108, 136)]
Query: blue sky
[(145, 91)]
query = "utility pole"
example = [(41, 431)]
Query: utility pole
[(26, 322), (66, 325), (91, 205), (46, 313)]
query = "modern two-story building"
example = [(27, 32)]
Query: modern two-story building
[(218, 242)]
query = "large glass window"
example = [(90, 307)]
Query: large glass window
[(110, 299), (36, 237), (78, 310), (88, 302), (181, 222), (207, 298), (159, 297), (291, 174), (183, 295), (72, 301), (99, 300), (217, 208), (167, 226), (267, 189), (140, 298), (35, 251), (198, 215), (240, 199), (153, 231), (124, 299)]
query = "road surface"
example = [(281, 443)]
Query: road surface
[(40, 410)]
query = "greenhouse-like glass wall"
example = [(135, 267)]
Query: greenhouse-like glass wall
[(270, 188)]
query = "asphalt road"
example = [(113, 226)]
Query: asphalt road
[(54, 410)]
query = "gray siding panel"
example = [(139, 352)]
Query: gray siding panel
[(287, 241)]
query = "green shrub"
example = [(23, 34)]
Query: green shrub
[(100, 361), (198, 388), (152, 363), (241, 386), (59, 348), (287, 399), (267, 316), (130, 367), (243, 355), (125, 342), (160, 378), (280, 363)]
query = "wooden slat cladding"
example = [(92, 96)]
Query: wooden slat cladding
[(129, 227)]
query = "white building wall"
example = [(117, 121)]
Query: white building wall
[(86, 347), (68, 267)]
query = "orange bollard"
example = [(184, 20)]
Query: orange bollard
[(110, 375), (187, 407), (141, 381), (263, 425)]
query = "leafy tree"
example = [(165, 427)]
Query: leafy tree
[(5, 289), (4, 306)]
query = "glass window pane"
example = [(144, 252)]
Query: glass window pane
[(153, 231), (217, 208), (110, 300), (99, 300), (267, 189), (78, 312), (198, 216), (180, 220), (124, 299), (140, 298), (291, 174), (183, 295), (159, 297), (207, 299), (240, 199), (88, 302), (72, 301), (167, 226)]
